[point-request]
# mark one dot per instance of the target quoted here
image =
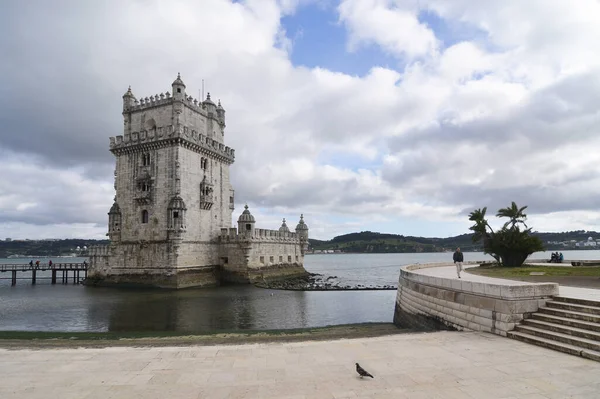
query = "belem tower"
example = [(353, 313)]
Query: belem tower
[(171, 221)]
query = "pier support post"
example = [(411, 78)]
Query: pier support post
[(77, 276), (63, 276), (74, 274), (33, 276), (14, 277), (53, 276)]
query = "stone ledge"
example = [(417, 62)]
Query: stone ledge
[(463, 304)]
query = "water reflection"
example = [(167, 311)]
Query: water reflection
[(79, 308)]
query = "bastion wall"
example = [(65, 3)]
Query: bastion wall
[(260, 255), (424, 301)]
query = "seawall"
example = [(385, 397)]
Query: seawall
[(425, 301)]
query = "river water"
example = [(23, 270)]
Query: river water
[(46, 307)]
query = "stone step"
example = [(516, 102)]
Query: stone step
[(577, 301), (559, 346), (561, 328), (560, 337), (586, 325), (570, 314), (574, 307)]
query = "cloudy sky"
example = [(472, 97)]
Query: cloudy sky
[(397, 116)]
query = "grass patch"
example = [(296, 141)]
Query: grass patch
[(522, 271)]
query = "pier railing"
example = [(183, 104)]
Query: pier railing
[(54, 266), (65, 268)]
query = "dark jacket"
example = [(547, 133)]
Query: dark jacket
[(457, 257)]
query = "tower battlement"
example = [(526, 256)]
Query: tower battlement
[(205, 108), (163, 135), (231, 235)]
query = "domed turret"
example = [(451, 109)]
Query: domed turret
[(246, 222), (209, 105), (178, 88), (114, 209), (221, 113), (176, 214), (301, 226), (128, 99), (114, 222), (302, 231), (284, 228)]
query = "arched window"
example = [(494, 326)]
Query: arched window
[(146, 159), (144, 216)]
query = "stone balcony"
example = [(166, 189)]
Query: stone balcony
[(206, 202), (143, 197)]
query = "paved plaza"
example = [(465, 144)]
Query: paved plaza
[(443, 365)]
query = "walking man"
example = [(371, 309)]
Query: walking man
[(458, 261)]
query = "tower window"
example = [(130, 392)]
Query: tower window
[(280, 258), (178, 90), (144, 216), (175, 215), (262, 259), (248, 227), (231, 200), (146, 160)]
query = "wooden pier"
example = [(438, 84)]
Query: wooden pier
[(79, 270)]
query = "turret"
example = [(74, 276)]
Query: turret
[(114, 222), (221, 114), (176, 217), (178, 88), (246, 223), (209, 105), (128, 100), (284, 228), (302, 231)]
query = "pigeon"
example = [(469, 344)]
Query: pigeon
[(362, 372)]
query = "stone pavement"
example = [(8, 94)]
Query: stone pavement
[(443, 365), (450, 272)]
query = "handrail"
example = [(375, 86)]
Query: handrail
[(55, 266)]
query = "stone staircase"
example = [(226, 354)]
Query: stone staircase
[(565, 324)]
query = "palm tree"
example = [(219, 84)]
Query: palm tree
[(515, 214)]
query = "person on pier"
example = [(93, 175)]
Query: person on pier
[(458, 261)]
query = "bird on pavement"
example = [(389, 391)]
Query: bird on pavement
[(362, 372)]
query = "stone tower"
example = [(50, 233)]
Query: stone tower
[(172, 189), (170, 223)]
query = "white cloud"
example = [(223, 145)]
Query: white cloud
[(395, 28), (509, 116)]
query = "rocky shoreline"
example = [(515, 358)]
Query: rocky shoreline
[(318, 282)]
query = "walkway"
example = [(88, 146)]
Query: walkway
[(450, 272), (444, 365)]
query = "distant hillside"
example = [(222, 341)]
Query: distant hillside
[(363, 242), (372, 242), (45, 247)]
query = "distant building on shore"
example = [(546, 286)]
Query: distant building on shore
[(171, 221)]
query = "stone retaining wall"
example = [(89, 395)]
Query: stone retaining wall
[(444, 303)]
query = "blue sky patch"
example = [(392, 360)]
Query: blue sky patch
[(320, 41)]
